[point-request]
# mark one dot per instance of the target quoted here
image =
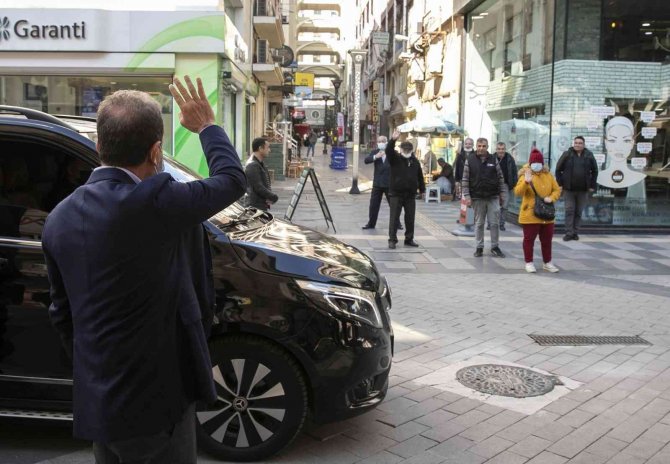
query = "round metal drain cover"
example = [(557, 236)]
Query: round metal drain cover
[(501, 380)]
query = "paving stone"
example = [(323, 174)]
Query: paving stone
[(426, 457), (491, 446), (436, 418), (587, 458), (576, 418), (464, 457), (629, 430), (643, 448), (471, 418), (452, 446), (462, 405), (443, 432), (530, 446), (382, 458), (507, 457), (570, 445), (553, 432), (606, 447), (546, 457), (403, 432), (412, 446)]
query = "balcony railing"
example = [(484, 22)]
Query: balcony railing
[(267, 8)]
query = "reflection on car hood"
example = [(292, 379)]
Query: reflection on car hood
[(285, 248)]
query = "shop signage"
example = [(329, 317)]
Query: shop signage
[(380, 38), (24, 29), (602, 111), (649, 132), (638, 162), (600, 158), (592, 124), (647, 116), (644, 147), (592, 142)]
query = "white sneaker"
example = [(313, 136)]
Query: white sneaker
[(549, 267), (530, 268)]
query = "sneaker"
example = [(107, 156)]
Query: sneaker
[(411, 243), (530, 268), (575, 237), (502, 226), (479, 252), (497, 252), (391, 244), (549, 267), (367, 226), (568, 237)]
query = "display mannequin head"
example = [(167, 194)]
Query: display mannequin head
[(619, 138)]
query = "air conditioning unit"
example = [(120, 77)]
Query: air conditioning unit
[(262, 51)]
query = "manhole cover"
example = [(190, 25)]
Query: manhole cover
[(496, 379)]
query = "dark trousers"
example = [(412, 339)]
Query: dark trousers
[(530, 232), (375, 203), (400, 201), (574, 205), (175, 446)]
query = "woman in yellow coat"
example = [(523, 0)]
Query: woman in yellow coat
[(547, 188)]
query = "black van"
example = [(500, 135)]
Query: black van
[(302, 324)]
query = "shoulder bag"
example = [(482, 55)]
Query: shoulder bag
[(543, 210)]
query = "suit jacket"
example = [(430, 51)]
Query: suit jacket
[(132, 292), (382, 173), (258, 185)]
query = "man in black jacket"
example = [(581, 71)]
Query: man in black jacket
[(380, 181), (459, 163), (259, 193), (406, 179), (510, 173), (484, 189), (576, 173), (131, 280)]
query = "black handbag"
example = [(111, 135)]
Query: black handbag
[(543, 210)]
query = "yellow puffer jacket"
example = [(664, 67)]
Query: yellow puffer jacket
[(546, 186)]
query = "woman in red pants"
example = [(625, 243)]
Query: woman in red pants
[(537, 173)]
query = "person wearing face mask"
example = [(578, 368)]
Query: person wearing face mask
[(131, 280), (536, 175), (509, 170), (380, 182), (405, 180), (459, 164)]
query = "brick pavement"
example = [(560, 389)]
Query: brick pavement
[(449, 307)]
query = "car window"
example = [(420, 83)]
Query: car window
[(34, 178)]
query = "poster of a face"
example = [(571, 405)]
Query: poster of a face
[(619, 142)]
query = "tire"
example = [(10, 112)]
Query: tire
[(256, 417)]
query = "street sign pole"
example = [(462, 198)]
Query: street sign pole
[(357, 57)]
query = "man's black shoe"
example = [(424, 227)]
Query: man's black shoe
[(391, 244), (497, 252), (411, 243), (575, 237), (400, 227), (502, 227), (479, 252), (367, 226), (568, 237)]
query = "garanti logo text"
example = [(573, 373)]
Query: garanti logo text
[(24, 29)]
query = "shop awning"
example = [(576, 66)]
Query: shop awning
[(430, 125)]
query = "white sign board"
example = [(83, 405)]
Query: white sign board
[(380, 38), (638, 162), (592, 142), (600, 158), (649, 132), (647, 116), (592, 124), (644, 147), (602, 111)]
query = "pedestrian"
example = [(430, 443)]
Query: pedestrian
[(484, 189), (509, 170), (259, 186), (445, 179), (405, 180), (459, 163), (536, 184), (311, 139), (577, 174), (428, 162), (380, 181), (131, 287)]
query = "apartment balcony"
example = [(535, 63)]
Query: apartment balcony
[(267, 22), (264, 67), (319, 5)]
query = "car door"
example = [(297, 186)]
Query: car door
[(34, 177)]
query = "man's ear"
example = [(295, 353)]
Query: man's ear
[(156, 151)]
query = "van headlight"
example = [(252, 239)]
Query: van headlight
[(348, 302)]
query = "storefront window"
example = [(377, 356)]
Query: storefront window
[(604, 75), (81, 96)]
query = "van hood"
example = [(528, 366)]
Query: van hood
[(279, 247)]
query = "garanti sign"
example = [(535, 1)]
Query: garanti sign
[(85, 30), (24, 29)]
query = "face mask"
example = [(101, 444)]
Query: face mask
[(406, 155), (536, 167), (381, 145)]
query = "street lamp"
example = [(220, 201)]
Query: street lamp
[(357, 57), (336, 84), (325, 124)]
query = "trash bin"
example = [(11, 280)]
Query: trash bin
[(338, 158)]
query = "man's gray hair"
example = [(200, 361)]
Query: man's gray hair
[(129, 124), (382, 138), (483, 139), (501, 144), (468, 138)]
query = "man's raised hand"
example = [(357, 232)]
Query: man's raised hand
[(196, 113)]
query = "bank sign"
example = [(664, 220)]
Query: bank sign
[(111, 31)]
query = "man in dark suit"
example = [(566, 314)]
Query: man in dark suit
[(131, 280), (380, 181), (259, 186)]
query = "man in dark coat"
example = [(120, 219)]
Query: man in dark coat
[(259, 192), (577, 174), (459, 164), (405, 180), (131, 280), (380, 181), (511, 176)]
